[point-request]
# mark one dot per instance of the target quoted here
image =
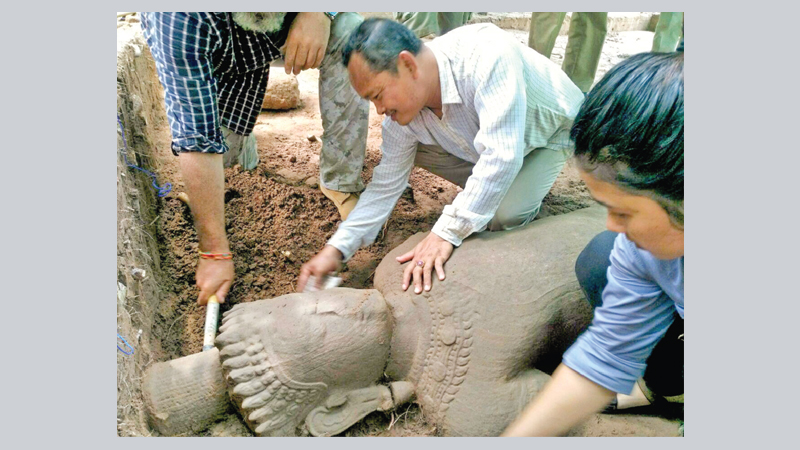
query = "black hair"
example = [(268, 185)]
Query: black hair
[(631, 127), (380, 41)]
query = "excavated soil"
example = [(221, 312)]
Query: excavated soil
[(276, 219)]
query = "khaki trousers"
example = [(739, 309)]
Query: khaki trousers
[(668, 32), (587, 33), (524, 198), (425, 23)]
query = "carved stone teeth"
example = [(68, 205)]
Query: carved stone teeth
[(290, 396), (261, 429), (246, 373), (275, 385), (248, 389), (269, 378), (261, 368), (280, 404), (259, 414), (233, 349), (257, 401), (237, 362), (255, 348)]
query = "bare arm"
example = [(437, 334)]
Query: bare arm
[(205, 185), (567, 400)]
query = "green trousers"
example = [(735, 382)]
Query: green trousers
[(668, 32), (522, 202), (587, 33), (425, 23)]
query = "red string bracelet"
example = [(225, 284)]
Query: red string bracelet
[(217, 256)]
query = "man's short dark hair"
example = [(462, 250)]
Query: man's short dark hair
[(629, 130), (380, 41)]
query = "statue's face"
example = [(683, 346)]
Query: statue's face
[(284, 356)]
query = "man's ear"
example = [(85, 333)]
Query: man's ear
[(407, 61)]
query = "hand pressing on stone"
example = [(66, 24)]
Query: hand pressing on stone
[(307, 41), (328, 260), (432, 252)]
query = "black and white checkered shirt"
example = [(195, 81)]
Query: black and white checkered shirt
[(214, 74)]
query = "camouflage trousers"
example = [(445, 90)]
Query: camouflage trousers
[(345, 120)]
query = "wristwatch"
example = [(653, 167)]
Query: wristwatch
[(331, 15)]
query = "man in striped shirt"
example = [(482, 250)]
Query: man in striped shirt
[(475, 107), (214, 69)]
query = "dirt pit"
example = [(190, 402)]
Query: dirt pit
[(277, 219)]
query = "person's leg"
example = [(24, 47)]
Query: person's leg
[(539, 171), (544, 31), (420, 23), (592, 266), (239, 99), (437, 161), (668, 32), (451, 20), (242, 150), (587, 33), (345, 121), (663, 376)]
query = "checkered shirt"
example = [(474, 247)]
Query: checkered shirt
[(214, 74)]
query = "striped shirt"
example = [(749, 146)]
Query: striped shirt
[(214, 74), (500, 101)]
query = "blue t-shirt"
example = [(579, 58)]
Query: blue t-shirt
[(639, 302)]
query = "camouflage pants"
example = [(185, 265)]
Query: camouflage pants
[(345, 119)]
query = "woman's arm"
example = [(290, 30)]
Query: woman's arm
[(567, 400)]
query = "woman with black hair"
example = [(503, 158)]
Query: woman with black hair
[(629, 147)]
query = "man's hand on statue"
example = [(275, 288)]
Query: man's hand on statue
[(214, 277), (307, 41), (432, 252), (328, 260)]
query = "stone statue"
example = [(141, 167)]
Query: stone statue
[(472, 352)]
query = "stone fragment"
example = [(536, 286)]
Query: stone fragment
[(283, 91)]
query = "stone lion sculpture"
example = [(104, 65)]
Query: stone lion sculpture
[(472, 352)]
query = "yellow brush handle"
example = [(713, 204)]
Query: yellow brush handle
[(212, 318)]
